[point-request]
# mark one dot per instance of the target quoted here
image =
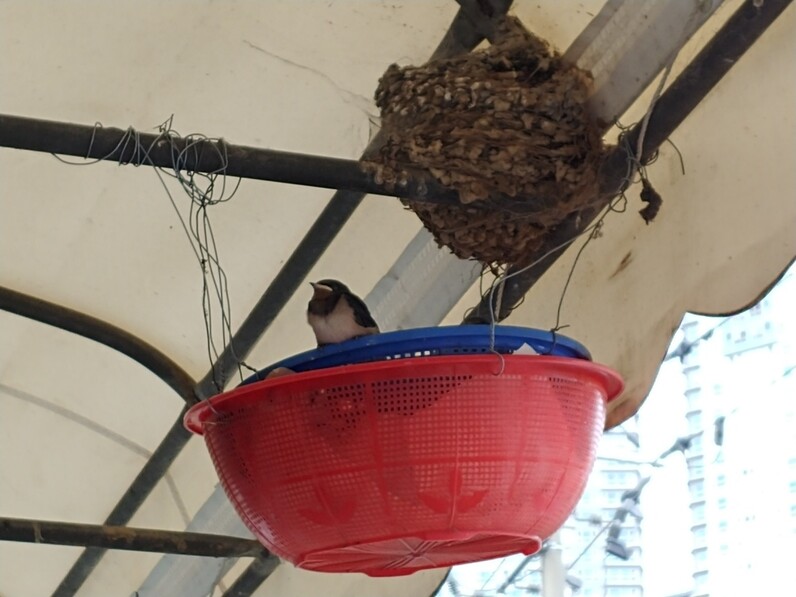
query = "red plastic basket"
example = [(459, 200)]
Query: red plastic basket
[(395, 466)]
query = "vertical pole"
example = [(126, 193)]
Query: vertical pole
[(553, 573)]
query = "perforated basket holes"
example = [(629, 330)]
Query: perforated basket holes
[(336, 412), (302, 487), (579, 405), (411, 412), (489, 430), (430, 352), (405, 396), (466, 350), (582, 401), (237, 477), (443, 351)]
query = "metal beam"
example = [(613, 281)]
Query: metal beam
[(212, 156), (103, 332), (630, 45), (726, 47), (483, 16), (127, 538), (251, 578)]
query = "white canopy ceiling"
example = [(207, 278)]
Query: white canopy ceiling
[(79, 420)]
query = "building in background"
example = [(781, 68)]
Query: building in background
[(740, 391), (616, 472)]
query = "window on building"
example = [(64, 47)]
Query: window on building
[(697, 489), (631, 536), (701, 581), (694, 422), (634, 557), (622, 592), (722, 525), (696, 467), (699, 531), (619, 574), (692, 399), (721, 480), (627, 479), (698, 513), (722, 503), (691, 377), (793, 510), (793, 486), (701, 555)]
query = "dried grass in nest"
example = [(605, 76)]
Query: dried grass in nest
[(508, 128)]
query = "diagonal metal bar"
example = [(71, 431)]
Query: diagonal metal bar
[(128, 538), (467, 30), (648, 38), (727, 46), (104, 333), (251, 578), (460, 37), (483, 15)]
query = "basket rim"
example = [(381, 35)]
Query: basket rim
[(464, 338), (199, 414)]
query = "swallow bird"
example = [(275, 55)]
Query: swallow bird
[(336, 314)]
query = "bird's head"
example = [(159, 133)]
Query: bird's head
[(325, 295)]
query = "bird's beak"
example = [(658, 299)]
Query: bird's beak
[(321, 290)]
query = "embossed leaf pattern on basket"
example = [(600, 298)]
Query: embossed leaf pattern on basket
[(455, 500), (333, 510)]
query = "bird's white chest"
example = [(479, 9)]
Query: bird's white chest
[(337, 326)]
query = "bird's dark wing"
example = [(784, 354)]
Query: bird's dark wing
[(361, 313)]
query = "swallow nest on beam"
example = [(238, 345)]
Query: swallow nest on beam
[(508, 128)]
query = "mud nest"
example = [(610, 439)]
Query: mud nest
[(508, 128)]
